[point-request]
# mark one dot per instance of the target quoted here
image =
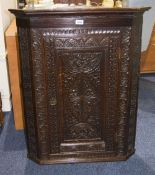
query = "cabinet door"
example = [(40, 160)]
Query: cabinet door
[(81, 74), (84, 76)]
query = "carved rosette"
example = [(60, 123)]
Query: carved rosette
[(28, 93)]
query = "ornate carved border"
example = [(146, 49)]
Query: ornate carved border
[(27, 87)]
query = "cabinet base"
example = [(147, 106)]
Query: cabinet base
[(59, 159)]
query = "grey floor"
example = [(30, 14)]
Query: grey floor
[(13, 160)]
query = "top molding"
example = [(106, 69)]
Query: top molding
[(76, 11)]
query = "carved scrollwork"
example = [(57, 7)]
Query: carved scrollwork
[(81, 62)]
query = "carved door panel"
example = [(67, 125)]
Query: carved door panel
[(84, 86), (82, 100), (88, 75)]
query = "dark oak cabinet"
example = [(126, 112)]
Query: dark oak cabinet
[(80, 73)]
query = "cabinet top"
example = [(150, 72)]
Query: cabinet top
[(76, 11)]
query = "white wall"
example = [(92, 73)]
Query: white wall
[(6, 15), (5, 19), (149, 19)]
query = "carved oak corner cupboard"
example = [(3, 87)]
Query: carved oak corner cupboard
[(79, 77)]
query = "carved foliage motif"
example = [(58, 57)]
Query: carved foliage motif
[(79, 42), (81, 62)]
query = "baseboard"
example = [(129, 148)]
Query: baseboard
[(6, 103), (4, 84)]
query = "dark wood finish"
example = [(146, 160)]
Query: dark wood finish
[(80, 83)]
